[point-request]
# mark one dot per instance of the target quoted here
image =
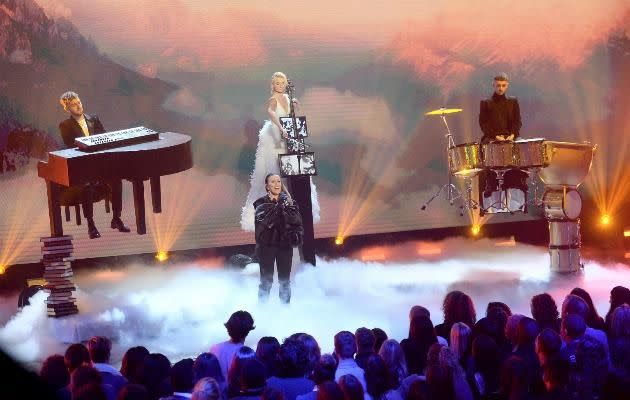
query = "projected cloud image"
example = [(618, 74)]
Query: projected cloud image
[(364, 87)]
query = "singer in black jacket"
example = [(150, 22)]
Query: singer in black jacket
[(278, 229)]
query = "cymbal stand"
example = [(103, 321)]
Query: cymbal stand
[(452, 192)]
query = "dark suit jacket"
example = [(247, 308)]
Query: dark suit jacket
[(499, 115), (70, 129)]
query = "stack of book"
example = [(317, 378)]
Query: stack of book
[(56, 257)]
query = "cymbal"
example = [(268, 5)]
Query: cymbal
[(443, 111)]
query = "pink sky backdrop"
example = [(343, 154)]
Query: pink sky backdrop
[(196, 35)]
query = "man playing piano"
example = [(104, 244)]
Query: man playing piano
[(77, 125)]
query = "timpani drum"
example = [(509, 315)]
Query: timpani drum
[(499, 154), (465, 159), (566, 164)]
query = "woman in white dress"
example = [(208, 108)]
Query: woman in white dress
[(271, 142)]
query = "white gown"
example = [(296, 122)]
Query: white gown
[(270, 144)]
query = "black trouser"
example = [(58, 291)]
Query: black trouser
[(513, 178), (283, 257)]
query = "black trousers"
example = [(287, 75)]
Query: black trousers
[(282, 257)]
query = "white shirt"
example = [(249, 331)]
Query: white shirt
[(83, 124), (225, 353), (349, 367)]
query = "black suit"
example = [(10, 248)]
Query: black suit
[(499, 115), (70, 130)]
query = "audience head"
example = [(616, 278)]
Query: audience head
[(293, 358), (544, 310), (207, 365), (460, 340), (312, 349), (54, 372), (574, 305), (345, 345), (132, 363), (394, 358), (133, 391), (239, 325), (511, 327), (416, 391), (573, 327), (156, 368), (267, 352), (618, 296), (421, 330), (418, 311), (458, 307), (439, 376), (100, 349), (324, 369), (620, 322), (526, 332), (206, 389), (376, 378), (243, 355), (556, 373), (380, 336), (365, 340), (83, 376), (593, 316), (253, 377), (182, 376), (329, 391), (351, 388), (500, 305), (548, 345), (76, 355)]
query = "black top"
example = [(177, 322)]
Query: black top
[(499, 115), (278, 223), (70, 128)]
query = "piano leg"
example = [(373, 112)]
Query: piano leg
[(54, 209), (156, 194), (138, 202)]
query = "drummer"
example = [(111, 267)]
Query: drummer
[(500, 120)]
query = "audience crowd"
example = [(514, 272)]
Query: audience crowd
[(566, 353)]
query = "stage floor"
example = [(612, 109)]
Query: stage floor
[(179, 309)]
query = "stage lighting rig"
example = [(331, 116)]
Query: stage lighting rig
[(339, 240), (605, 220), (475, 230)]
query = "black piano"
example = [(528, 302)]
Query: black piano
[(166, 153)]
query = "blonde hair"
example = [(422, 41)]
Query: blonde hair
[(66, 98), (276, 75), (460, 339), (284, 188), (206, 389), (394, 358)]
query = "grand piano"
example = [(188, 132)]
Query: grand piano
[(116, 155)]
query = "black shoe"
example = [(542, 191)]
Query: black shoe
[(92, 231), (118, 224)]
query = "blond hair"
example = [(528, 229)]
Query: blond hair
[(206, 389), (276, 75), (66, 98)]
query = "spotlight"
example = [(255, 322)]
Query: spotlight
[(626, 233), (475, 229), (339, 240), (162, 255), (605, 220), (2, 268)]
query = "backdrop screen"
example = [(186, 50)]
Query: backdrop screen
[(365, 74)]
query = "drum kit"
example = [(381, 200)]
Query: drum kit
[(561, 166)]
